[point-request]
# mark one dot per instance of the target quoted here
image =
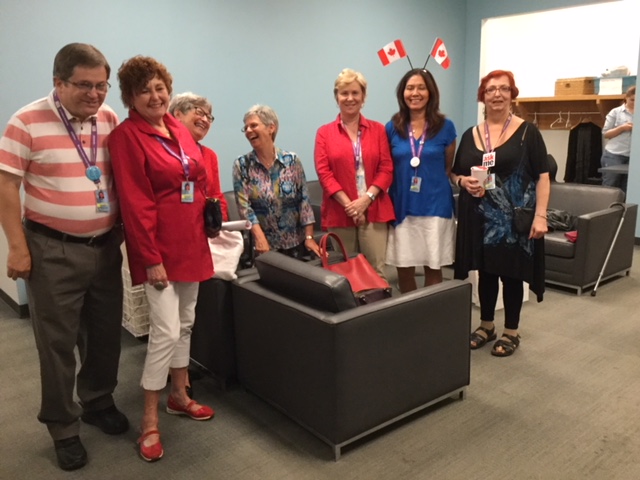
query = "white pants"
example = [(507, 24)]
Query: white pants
[(172, 312)]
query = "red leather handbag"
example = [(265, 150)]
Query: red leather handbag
[(366, 284)]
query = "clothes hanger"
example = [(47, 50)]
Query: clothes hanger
[(558, 122), (568, 122), (535, 118)]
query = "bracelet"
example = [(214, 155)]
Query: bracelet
[(459, 182), (308, 237), (543, 216), (371, 196)]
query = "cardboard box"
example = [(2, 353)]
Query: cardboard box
[(614, 86), (575, 86)]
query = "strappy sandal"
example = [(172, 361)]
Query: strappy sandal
[(476, 340), (509, 344)]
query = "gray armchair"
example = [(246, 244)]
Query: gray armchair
[(577, 265), (343, 371)]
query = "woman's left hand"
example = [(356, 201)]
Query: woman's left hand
[(538, 227), (357, 207), (312, 246)]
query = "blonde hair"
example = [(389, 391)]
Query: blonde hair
[(348, 76)]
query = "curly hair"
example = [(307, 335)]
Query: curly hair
[(496, 74), (433, 116), (135, 73)]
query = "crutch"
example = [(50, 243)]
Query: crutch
[(613, 243)]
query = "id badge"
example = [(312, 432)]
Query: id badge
[(415, 184), (102, 201), (490, 182), (186, 192), (489, 159)]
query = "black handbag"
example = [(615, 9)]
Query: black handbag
[(523, 219), (212, 217)]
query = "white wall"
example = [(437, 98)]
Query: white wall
[(541, 47)]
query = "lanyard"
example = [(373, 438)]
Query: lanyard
[(76, 141), (357, 150), (486, 133), (415, 159), (183, 159)]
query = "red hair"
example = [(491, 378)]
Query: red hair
[(496, 74)]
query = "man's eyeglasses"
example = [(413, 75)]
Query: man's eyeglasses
[(502, 88), (202, 114), (87, 87)]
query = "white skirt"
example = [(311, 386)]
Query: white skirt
[(428, 241)]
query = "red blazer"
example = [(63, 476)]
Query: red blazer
[(336, 169), (213, 179), (159, 228)]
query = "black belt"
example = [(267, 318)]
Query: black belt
[(64, 237)]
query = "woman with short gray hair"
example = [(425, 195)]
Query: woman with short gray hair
[(271, 189)]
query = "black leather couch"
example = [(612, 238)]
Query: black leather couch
[(340, 370)]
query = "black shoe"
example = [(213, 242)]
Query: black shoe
[(70, 452), (110, 420)]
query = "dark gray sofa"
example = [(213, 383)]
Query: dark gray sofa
[(343, 371), (577, 265)]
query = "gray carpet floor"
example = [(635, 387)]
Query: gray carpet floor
[(565, 406)]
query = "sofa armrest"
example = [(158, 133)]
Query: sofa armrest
[(596, 231)]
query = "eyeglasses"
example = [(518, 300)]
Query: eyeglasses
[(201, 113), (251, 126), (87, 87), (502, 88)]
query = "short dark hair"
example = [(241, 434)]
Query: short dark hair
[(135, 73), (433, 116), (78, 55)]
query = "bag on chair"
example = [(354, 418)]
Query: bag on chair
[(366, 284)]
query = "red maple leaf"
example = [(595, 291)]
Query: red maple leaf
[(442, 53), (391, 52)]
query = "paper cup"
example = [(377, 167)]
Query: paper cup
[(481, 174)]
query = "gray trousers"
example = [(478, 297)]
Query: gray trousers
[(75, 300)]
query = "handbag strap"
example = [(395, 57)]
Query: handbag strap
[(323, 247)]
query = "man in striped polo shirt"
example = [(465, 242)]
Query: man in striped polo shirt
[(62, 241)]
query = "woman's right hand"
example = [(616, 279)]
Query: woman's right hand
[(157, 275), (473, 186)]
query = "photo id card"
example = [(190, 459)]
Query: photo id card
[(490, 182), (416, 182), (186, 192), (489, 159), (102, 201)]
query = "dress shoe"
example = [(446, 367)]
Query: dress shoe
[(70, 453), (154, 452), (110, 420), (201, 413)]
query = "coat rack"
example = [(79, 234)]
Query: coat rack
[(566, 111)]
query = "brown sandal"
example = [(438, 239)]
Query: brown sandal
[(509, 344), (476, 340)]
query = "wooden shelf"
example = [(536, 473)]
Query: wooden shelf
[(572, 108)]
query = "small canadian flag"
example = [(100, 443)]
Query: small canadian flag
[(439, 53), (392, 52)]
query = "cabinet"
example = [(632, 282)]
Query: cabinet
[(565, 111)]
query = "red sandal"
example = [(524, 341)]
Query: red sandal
[(201, 413), (154, 452)]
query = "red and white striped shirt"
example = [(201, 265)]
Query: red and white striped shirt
[(37, 147)]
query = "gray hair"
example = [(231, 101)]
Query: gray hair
[(183, 102), (266, 115), (78, 55)]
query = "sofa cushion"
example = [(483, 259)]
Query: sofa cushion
[(310, 285), (557, 245), (581, 199)]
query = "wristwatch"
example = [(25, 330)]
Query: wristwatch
[(308, 237), (371, 196)]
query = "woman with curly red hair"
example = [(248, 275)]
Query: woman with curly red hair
[(161, 180)]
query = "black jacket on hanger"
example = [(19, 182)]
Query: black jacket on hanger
[(583, 157)]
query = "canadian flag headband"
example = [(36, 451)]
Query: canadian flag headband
[(395, 51)]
